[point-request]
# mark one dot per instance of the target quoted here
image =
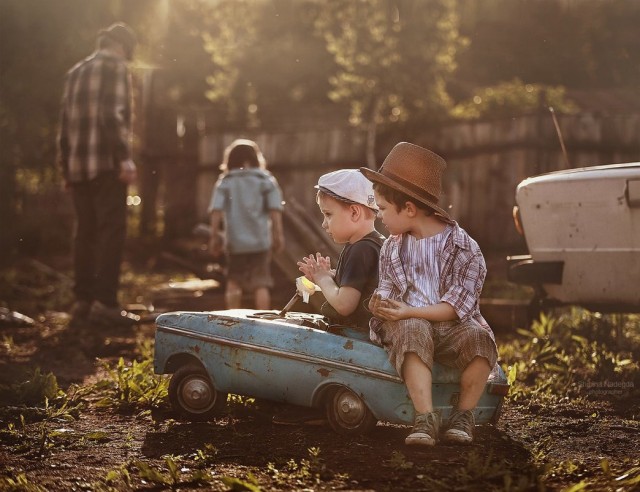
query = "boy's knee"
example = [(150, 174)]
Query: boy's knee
[(476, 367)]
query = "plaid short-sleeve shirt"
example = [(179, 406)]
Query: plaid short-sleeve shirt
[(95, 119)]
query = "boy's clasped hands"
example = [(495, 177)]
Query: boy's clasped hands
[(316, 267)]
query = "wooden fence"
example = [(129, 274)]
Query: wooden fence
[(486, 161)]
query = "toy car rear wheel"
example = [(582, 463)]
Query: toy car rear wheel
[(347, 413), (193, 395)]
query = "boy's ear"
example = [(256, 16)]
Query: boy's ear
[(355, 211), (411, 208)]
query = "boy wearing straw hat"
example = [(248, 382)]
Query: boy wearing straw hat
[(426, 306)]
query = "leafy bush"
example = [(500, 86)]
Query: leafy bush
[(37, 389), (514, 97), (577, 354), (132, 385)]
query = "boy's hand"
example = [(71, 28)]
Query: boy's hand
[(316, 267), (388, 309), (375, 303)]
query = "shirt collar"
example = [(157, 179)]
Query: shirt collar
[(459, 239), (109, 53)]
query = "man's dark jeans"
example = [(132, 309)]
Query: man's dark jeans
[(101, 219)]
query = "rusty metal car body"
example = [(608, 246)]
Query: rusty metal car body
[(295, 358)]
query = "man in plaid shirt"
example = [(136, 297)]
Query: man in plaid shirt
[(94, 147)]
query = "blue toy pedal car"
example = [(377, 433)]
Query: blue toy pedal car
[(295, 358)]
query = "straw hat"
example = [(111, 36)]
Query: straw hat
[(413, 170)]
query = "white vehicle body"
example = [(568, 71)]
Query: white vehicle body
[(582, 229)]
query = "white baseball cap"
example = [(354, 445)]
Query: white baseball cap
[(348, 185)]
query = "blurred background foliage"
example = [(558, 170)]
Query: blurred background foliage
[(372, 63)]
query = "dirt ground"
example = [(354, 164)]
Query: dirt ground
[(532, 447)]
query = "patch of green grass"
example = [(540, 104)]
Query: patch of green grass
[(172, 475), (478, 470), (132, 385), (207, 455), (19, 483), (398, 461), (606, 477), (306, 473), (569, 355), (35, 390), (572, 358), (21, 436)]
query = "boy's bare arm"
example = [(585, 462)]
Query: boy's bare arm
[(318, 269), (343, 299), (390, 310), (277, 233)]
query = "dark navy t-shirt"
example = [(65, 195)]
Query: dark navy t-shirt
[(357, 268)]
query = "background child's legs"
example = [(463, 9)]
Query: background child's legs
[(262, 298), (233, 295), (249, 272), (417, 377)]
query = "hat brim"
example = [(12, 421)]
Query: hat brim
[(377, 177), (348, 201)]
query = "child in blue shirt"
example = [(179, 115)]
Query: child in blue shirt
[(248, 199)]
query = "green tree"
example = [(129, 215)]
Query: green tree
[(394, 59), (268, 66), (585, 44)]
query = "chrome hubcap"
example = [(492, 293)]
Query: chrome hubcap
[(350, 408), (196, 393)]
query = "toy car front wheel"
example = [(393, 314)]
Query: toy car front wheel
[(348, 414), (193, 395)]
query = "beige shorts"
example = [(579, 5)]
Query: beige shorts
[(453, 344)]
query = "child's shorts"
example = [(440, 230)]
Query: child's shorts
[(250, 270), (453, 344)]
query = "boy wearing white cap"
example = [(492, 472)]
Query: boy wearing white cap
[(346, 200), (347, 203)]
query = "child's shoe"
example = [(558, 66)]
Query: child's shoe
[(425, 429), (460, 427)]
